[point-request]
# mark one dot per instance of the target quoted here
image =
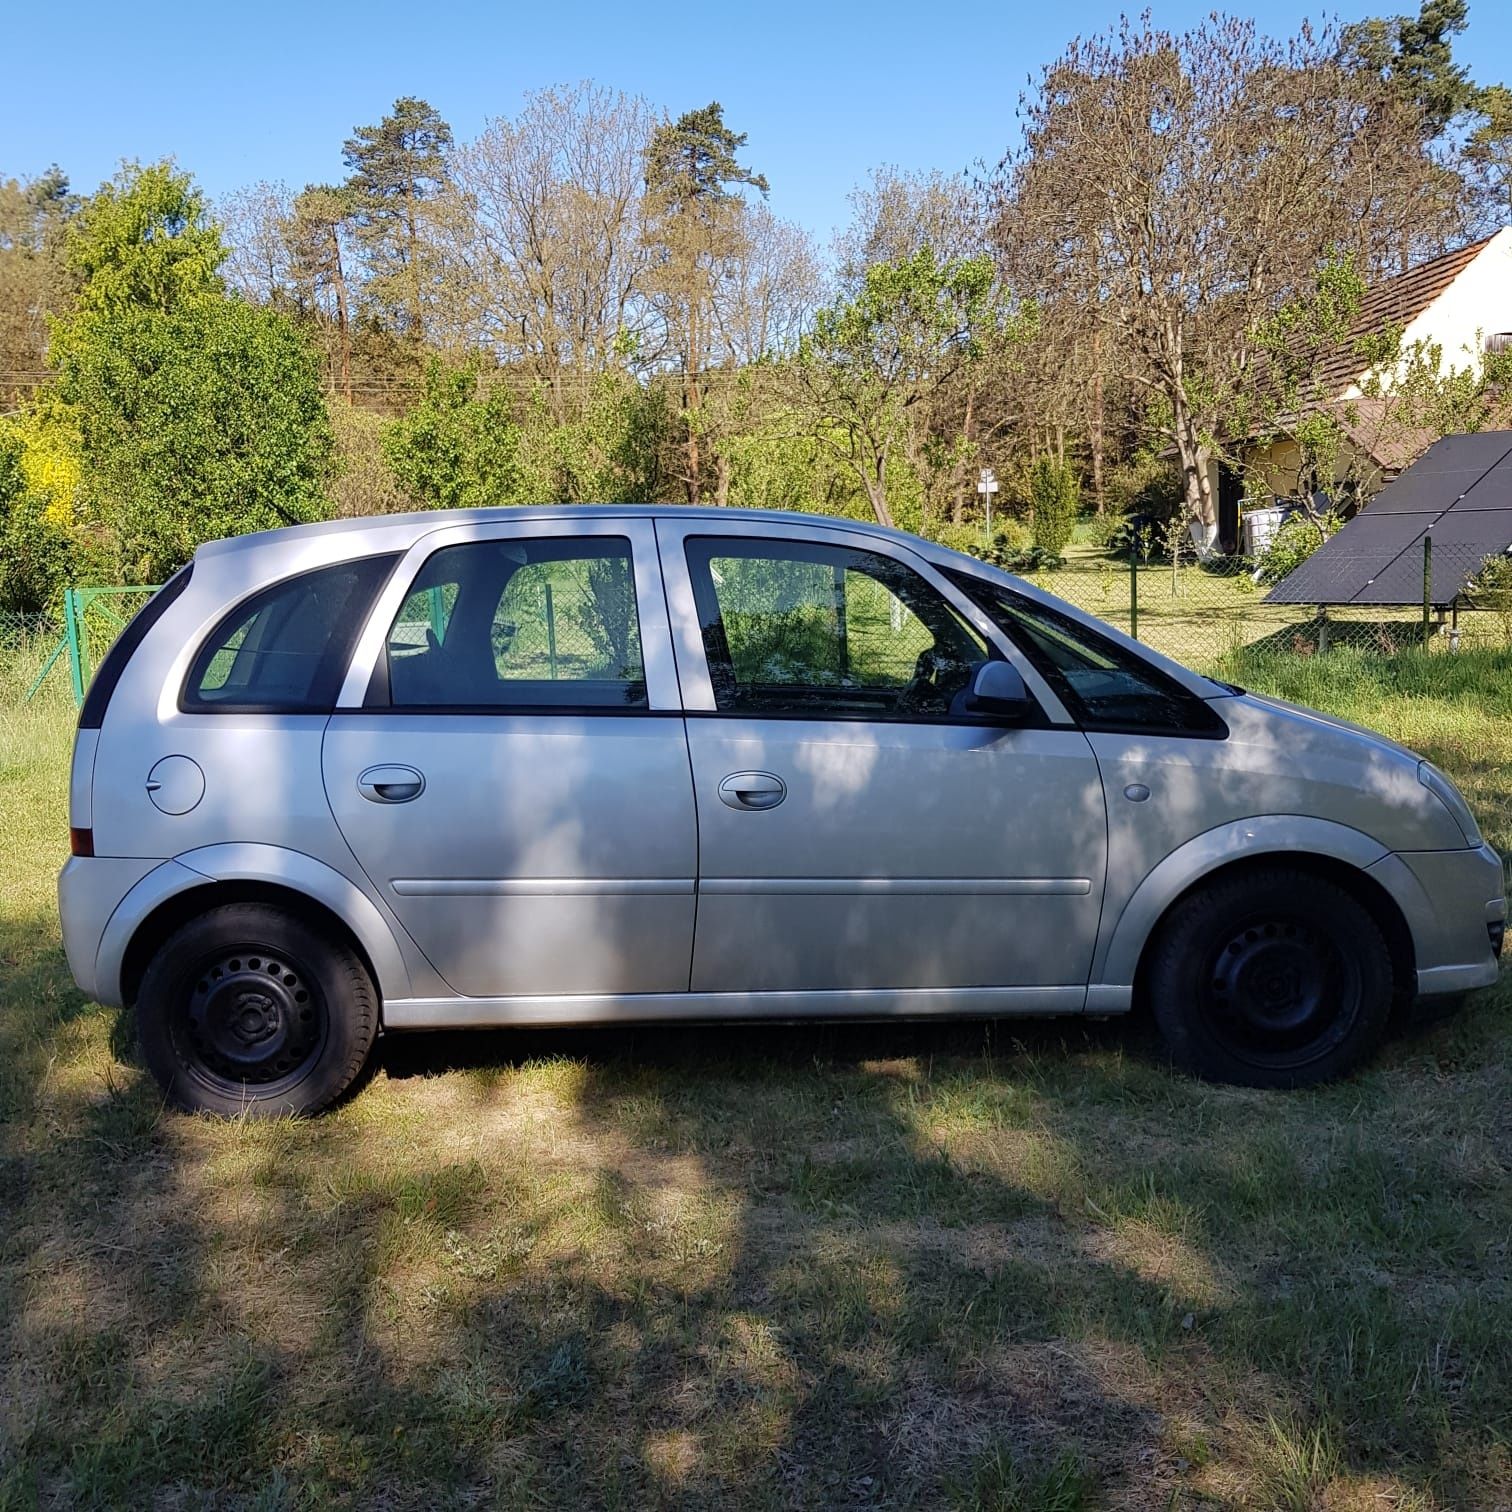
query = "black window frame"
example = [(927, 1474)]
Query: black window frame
[(700, 550), (335, 660), (1208, 725), (378, 698)]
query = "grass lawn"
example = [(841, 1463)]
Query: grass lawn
[(989, 1266)]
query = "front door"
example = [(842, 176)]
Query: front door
[(514, 780), (861, 832)]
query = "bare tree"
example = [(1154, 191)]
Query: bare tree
[(895, 213), (257, 256), (312, 233), (1173, 190), (34, 278), (548, 251)]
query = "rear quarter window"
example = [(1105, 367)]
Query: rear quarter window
[(285, 649)]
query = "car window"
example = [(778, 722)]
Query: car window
[(537, 623), (1105, 686), (828, 632), (285, 650)]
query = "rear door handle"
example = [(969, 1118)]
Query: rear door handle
[(752, 790), (390, 784)]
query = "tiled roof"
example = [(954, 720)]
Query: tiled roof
[(1395, 302)]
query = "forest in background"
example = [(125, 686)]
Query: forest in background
[(592, 300)]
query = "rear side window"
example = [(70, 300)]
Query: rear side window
[(285, 650), (1103, 685)]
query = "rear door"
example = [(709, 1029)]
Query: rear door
[(509, 765), (861, 832)]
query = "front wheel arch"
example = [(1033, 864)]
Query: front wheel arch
[(1360, 885)]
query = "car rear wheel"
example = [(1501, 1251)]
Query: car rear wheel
[(247, 1010), (1273, 978)]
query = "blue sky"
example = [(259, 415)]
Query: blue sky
[(238, 93)]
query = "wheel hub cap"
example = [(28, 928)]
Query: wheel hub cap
[(1272, 984), (251, 1018)]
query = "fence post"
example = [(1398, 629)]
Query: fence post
[(1134, 592), (1427, 587), (73, 631), (551, 632)]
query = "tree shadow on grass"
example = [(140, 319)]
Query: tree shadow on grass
[(814, 1265)]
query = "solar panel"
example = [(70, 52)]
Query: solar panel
[(1459, 492), (1347, 561), (1401, 582)]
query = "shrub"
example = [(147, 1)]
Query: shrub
[(1055, 496), (1295, 541), (1109, 531), (1144, 485)]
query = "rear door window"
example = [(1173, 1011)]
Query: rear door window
[(519, 624)]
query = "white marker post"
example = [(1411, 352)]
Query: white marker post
[(987, 485)]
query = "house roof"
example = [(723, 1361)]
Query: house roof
[(1394, 302)]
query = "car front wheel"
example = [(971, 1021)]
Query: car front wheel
[(247, 1010), (1273, 978)]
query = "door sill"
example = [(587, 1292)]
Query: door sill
[(915, 1002)]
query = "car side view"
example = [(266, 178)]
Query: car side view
[(587, 765)]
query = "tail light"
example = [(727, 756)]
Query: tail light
[(81, 842)]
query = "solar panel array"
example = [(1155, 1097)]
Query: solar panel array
[(1459, 491)]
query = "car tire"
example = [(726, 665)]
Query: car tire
[(1270, 978), (248, 1011)]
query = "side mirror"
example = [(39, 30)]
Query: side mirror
[(998, 689)]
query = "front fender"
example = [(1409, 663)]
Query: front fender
[(1117, 960), (254, 863)]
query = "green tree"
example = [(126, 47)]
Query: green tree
[(199, 415), (869, 361), (1055, 496), (1415, 55), (1490, 146), (398, 168), (459, 448), (692, 177)]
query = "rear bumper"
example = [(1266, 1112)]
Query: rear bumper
[(90, 889), (1456, 907)]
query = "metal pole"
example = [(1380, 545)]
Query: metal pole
[(1134, 591), (47, 666), (551, 632), (1427, 587), (71, 629)]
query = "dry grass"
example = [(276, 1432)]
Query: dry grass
[(966, 1265)]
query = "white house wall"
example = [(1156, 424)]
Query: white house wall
[(1477, 304)]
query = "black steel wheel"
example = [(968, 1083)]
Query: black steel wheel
[(1270, 978), (246, 1009)]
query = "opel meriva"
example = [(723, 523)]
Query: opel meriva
[(573, 765)]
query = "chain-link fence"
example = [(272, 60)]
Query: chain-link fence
[(1206, 614), (567, 620), (50, 654)]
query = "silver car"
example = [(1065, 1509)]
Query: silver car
[(570, 765)]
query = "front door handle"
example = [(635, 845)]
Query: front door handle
[(390, 784), (752, 790)]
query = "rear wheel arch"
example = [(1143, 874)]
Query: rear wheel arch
[(173, 913)]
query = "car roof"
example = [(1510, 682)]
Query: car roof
[(391, 531)]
